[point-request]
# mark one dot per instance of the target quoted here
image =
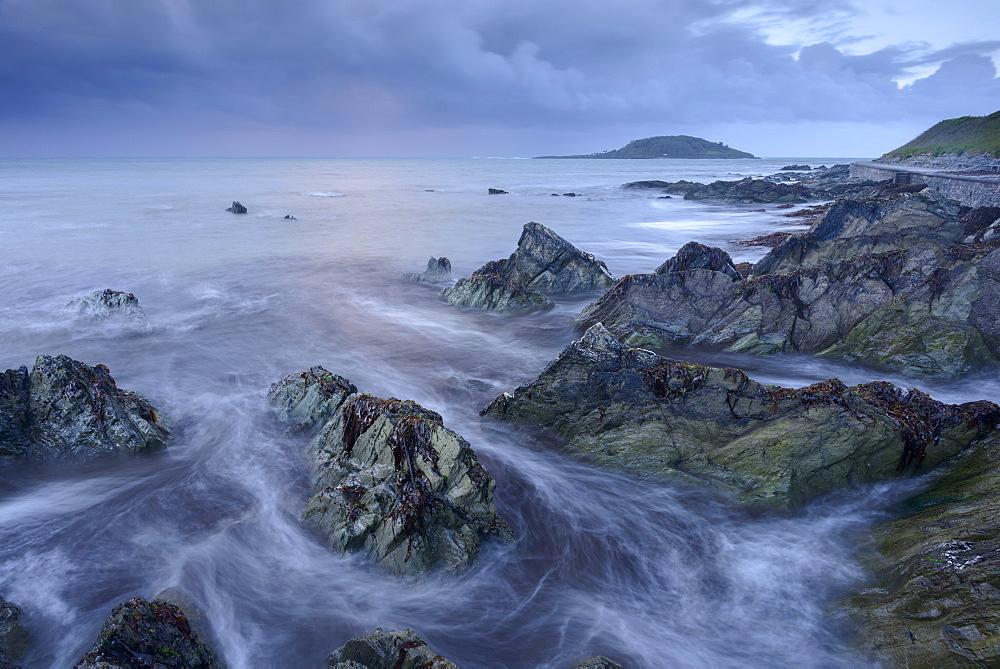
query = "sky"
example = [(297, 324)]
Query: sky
[(504, 78)]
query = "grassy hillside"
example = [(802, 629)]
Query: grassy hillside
[(968, 134), (670, 146)]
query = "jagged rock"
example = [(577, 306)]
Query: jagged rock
[(289, 217), (796, 168), (652, 184), (237, 208), (597, 662), (68, 409), (771, 240), (936, 580), (110, 304), (13, 636), (497, 191), (631, 409), (438, 271), (398, 649), (888, 285), (493, 292), (389, 478), (140, 633), (978, 221), (698, 256)]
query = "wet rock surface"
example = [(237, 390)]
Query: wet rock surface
[(544, 264), (597, 662), (13, 636), (389, 479), (67, 409), (438, 271), (398, 649), (237, 208), (888, 284), (632, 409), (148, 634), (935, 599), (107, 304)]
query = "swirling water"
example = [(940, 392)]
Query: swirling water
[(649, 574)]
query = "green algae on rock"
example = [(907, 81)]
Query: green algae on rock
[(631, 409), (935, 600), (389, 478)]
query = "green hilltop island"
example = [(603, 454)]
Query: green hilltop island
[(669, 146)]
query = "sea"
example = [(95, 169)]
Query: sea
[(648, 574)]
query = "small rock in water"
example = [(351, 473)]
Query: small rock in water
[(597, 662), (140, 633), (13, 636), (401, 649), (438, 271), (497, 191), (289, 217), (569, 194), (237, 208), (389, 478), (797, 168), (110, 304), (665, 197)]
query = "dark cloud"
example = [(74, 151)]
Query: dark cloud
[(352, 66)]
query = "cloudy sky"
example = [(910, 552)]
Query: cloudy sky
[(486, 77)]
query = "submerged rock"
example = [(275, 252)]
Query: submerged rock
[(237, 208), (389, 478), (890, 285), (438, 271), (110, 304), (631, 409), (597, 662), (140, 633), (934, 600), (493, 292), (68, 409), (398, 649), (497, 191), (13, 636)]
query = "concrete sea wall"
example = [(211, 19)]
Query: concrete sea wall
[(972, 191)]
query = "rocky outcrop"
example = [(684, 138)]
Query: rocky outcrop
[(890, 285), (438, 271), (13, 636), (389, 479), (543, 264), (400, 649), (107, 304), (237, 208), (140, 633), (631, 409), (796, 168), (597, 662), (698, 256), (67, 409), (936, 580), (743, 191)]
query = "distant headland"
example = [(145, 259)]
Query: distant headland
[(670, 146), (967, 135)]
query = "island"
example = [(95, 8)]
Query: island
[(668, 146)]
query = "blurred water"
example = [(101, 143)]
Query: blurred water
[(648, 574)]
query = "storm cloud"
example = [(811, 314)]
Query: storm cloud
[(142, 70)]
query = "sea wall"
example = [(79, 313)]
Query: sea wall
[(972, 191)]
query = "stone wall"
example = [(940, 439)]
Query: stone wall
[(971, 191)]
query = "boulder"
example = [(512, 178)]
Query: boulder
[(67, 409), (438, 271), (933, 599), (631, 409), (597, 662), (889, 285), (497, 191), (493, 292), (140, 633), (388, 478), (107, 304), (13, 636), (398, 649), (237, 208)]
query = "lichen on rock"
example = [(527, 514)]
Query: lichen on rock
[(389, 479)]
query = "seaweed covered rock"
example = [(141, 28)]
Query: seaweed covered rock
[(140, 633), (495, 293), (107, 304), (890, 285), (935, 599), (389, 478), (13, 635), (67, 409), (438, 271), (631, 409), (398, 649), (543, 264)]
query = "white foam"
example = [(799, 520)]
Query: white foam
[(323, 194)]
